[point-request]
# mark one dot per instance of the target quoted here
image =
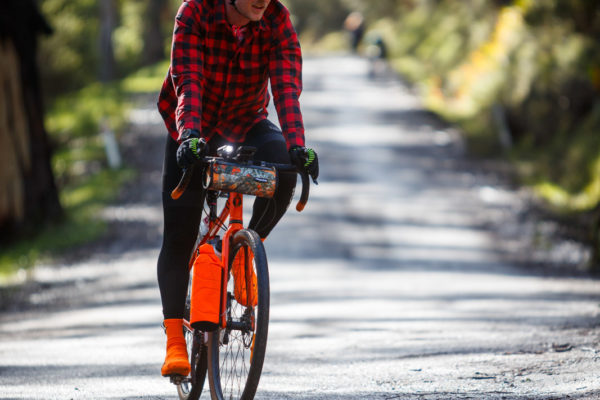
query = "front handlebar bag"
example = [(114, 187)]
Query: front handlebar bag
[(246, 179)]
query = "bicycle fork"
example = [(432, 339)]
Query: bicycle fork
[(235, 224)]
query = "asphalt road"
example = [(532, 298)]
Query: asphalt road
[(398, 281)]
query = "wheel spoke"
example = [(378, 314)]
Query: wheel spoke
[(234, 365)]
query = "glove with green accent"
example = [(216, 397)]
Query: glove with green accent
[(191, 149), (306, 160)]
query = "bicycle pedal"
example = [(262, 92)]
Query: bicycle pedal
[(177, 379)]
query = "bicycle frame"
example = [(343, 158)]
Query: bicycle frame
[(233, 210), (253, 319)]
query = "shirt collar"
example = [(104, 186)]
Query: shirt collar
[(220, 14)]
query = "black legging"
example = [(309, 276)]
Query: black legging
[(182, 216)]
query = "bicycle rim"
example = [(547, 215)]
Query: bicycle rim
[(236, 353)]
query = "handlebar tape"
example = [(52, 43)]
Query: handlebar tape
[(305, 192), (183, 183)]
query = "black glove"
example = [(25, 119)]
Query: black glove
[(191, 149), (306, 160)]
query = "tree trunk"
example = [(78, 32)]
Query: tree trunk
[(108, 21), (154, 50), (28, 194)]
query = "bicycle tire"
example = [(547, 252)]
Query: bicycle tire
[(236, 356), (191, 387)]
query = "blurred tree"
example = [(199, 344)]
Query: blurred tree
[(70, 56), (79, 52), (154, 39), (28, 194), (373, 10), (318, 16), (108, 21)]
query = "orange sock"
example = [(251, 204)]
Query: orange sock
[(176, 361)]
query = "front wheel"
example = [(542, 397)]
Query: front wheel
[(236, 353)]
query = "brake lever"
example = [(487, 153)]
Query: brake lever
[(183, 183)]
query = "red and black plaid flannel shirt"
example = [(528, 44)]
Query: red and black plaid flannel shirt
[(218, 79)]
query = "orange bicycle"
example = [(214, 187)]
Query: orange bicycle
[(234, 352)]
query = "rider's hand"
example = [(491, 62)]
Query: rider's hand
[(191, 149), (306, 160)]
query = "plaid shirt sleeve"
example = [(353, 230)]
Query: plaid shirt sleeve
[(186, 67), (285, 70)]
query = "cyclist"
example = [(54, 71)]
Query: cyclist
[(223, 54)]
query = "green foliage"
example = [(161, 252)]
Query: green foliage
[(539, 60), (74, 123), (68, 57), (317, 17), (568, 173), (80, 170), (79, 163), (82, 203), (146, 80), (127, 37)]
